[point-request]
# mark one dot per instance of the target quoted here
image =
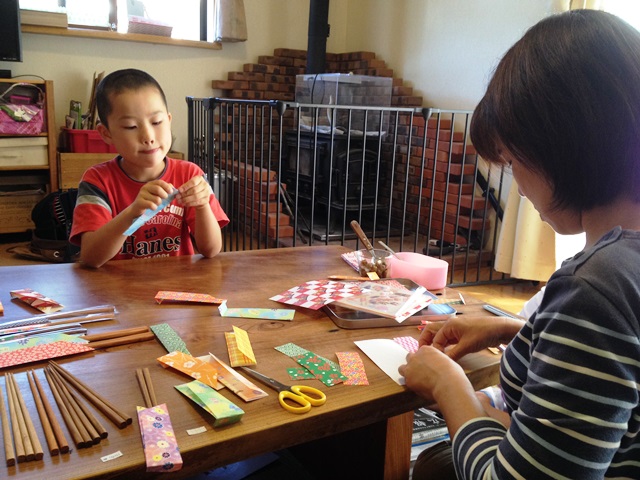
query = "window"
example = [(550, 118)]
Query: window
[(185, 19), (628, 11)]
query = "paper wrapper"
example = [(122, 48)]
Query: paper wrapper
[(160, 446), (36, 300)]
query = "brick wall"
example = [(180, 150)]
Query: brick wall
[(273, 77)]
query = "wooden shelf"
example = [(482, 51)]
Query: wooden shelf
[(15, 210)]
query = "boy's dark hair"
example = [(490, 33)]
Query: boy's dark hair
[(119, 81), (565, 103)]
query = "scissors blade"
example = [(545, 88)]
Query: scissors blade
[(266, 380)]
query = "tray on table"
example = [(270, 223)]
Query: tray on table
[(353, 319)]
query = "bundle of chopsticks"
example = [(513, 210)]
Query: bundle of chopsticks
[(119, 337), (65, 383), (21, 434), (61, 322)]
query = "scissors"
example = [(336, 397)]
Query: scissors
[(302, 395)]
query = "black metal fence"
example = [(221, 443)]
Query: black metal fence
[(291, 174)]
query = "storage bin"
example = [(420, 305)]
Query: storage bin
[(87, 141)]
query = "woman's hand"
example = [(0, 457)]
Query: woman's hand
[(429, 371), (461, 335)]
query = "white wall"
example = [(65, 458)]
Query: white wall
[(445, 49)]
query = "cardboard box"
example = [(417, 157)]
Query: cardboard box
[(15, 210)]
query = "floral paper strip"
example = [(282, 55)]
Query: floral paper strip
[(169, 338), (194, 367), (42, 352), (235, 382), (158, 439)]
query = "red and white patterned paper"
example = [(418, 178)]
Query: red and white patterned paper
[(316, 293), (36, 300), (42, 352)]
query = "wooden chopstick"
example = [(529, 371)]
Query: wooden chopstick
[(84, 426), (18, 437), (144, 380), (118, 418), (49, 436), (152, 392), (114, 342), (61, 440), (34, 441), (115, 334), (9, 451), (66, 415)]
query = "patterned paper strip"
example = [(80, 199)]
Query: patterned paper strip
[(322, 369), (158, 439), (169, 338), (35, 340), (296, 352), (149, 213), (234, 381), (36, 300), (300, 374), (410, 344), (42, 352), (283, 314), (351, 365), (236, 357), (169, 296), (194, 367), (224, 411)]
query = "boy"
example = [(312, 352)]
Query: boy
[(134, 119)]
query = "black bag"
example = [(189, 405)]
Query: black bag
[(53, 217)]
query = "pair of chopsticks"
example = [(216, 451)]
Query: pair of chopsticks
[(53, 433), (24, 438), (146, 386), (119, 337)]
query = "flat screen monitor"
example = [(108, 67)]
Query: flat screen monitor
[(10, 33)]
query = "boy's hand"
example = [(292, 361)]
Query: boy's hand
[(150, 196), (195, 192)]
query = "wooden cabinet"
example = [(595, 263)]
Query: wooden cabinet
[(73, 165), (28, 163)]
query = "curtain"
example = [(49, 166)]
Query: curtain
[(230, 21), (529, 248), (591, 4)]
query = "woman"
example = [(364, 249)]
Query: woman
[(563, 110)]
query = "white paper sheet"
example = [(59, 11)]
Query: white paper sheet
[(386, 354)]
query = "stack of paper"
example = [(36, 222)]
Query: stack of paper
[(387, 299)]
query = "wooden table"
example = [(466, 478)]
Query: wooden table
[(371, 423)]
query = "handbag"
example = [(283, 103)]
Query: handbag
[(22, 113)]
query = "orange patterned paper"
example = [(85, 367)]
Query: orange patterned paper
[(169, 296), (192, 366)]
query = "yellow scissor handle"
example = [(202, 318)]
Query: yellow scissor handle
[(303, 396), (312, 395), (304, 407)]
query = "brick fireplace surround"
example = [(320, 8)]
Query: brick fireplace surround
[(274, 78)]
